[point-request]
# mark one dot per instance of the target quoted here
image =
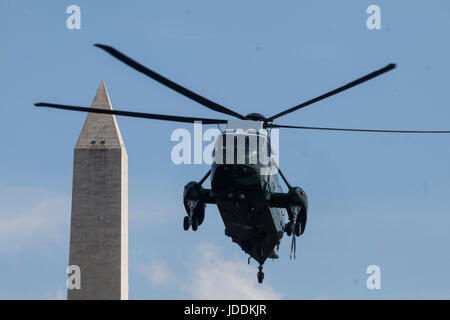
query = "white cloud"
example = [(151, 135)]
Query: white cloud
[(210, 277), (46, 220), (158, 273), (58, 294), (216, 278), (53, 294)]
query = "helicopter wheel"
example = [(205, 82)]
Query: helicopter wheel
[(297, 228), (289, 228), (186, 223), (194, 223), (260, 277), (260, 274)]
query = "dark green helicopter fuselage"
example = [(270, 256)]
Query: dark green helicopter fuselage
[(242, 195), (247, 192)]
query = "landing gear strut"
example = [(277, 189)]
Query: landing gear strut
[(191, 220), (260, 274), (294, 227)]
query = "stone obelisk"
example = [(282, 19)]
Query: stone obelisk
[(99, 222)]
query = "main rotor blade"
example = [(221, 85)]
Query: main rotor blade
[(357, 130), (132, 114), (352, 84), (168, 83)]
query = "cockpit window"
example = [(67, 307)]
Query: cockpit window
[(238, 148)]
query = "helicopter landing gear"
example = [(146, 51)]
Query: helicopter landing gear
[(294, 202), (297, 228), (294, 228), (194, 200), (190, 222), (260, 274), (288, 228), (194, 223), (186, 223), (191, 219)]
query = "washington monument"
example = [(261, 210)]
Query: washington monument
[(99, 222)]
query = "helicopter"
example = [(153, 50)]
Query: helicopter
[(247, 190)]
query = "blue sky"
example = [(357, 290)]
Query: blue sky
[(374, 198)]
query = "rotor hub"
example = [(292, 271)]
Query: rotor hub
[(256, 117)]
